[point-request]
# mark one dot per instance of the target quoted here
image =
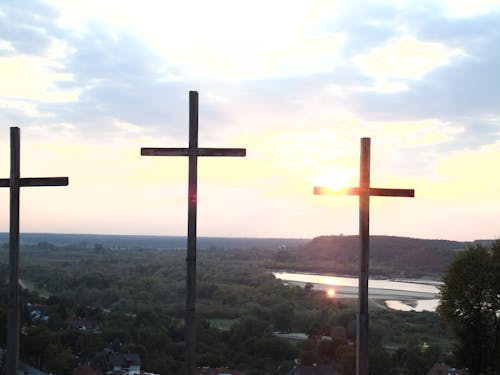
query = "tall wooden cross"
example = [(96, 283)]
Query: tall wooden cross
[(364, 191), (192, 152), (15, 182)]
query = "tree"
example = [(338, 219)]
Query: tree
[(470, 305), (56, 358), (282, 317), (37, 338), (379, 360)]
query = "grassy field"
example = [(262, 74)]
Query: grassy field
[(222, 324)]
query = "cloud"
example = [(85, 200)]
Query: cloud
[(27, 26), (429, 70), (303, 57), (91, 82), (405, 57), (88, 79), (33, 78), (31, 63), (467, 9), (255, 40)]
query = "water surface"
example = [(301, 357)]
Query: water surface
[(405, 295)]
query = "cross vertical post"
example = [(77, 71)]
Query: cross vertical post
[(364, 191), (192, 152), (13, 315), (364, 233), (15, 182), (191, 239)]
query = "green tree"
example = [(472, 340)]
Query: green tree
[(309, 353), (470, 305), (37, 338), (379, 360), (56, 358), (282, 317), (345, 359)]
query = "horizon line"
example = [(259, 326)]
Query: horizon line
[(242, 237)]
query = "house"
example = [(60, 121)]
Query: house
[(443, 369), (83, 324), (125, 364), (38, 312)]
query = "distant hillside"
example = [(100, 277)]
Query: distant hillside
[(402, 255), (155, 242)]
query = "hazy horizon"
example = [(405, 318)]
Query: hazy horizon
[(242, 237)]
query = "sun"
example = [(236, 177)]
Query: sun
[(330, 293), (336, 179)]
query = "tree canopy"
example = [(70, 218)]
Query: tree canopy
[(470, 304)]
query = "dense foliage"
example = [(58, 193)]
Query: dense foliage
[(470, 303), (391, 256), (136, 297)]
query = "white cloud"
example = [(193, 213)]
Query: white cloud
[(23, 106), (468, 8), (6, 46), (383, 86), (32, 78), (222, 39), (294, 99), (126, 126), (414, 133), (27, 77), (406, 58), (303, 57)]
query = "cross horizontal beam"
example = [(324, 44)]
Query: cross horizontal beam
[(172, 151), (192, 152), (379, 192), (14, 183), (37, 181)]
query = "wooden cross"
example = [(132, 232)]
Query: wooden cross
[(15, 182), (364, 191), (192, 152)]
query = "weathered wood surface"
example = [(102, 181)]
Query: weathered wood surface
[(192, 152), (37, 181), (190, 333), (364, 235), (379, 192), (15, 182), (14, 307), (149, 151), (364, 191)]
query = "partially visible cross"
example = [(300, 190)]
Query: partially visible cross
[(364, 191), (193, 151), (15, 182)]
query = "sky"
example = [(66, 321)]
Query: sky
[(297, 83)]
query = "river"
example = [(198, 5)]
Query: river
[(405, 295)]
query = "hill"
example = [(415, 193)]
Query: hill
[(388, 254)]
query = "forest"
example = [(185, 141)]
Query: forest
[(132, 301)]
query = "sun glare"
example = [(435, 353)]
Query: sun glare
[(337, 179), (330, 293)]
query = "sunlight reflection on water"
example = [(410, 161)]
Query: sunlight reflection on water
[(417, 295), (421, 305)]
